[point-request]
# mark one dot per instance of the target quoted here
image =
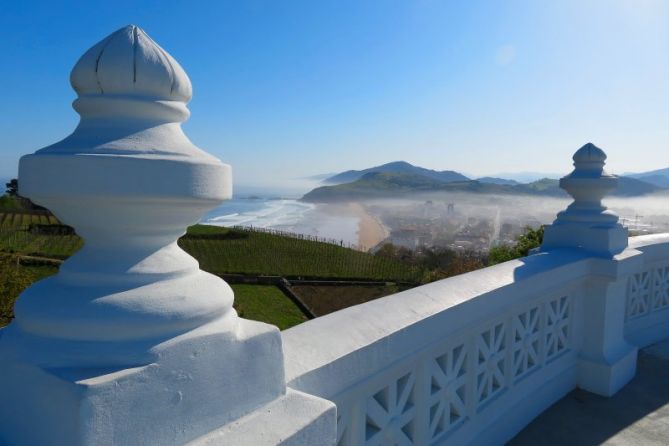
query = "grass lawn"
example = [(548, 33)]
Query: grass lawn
[(263, 303), (266, 303)]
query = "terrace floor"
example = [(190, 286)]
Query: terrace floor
[(636, 415)]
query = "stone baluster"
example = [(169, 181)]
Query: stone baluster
[(606, 361), (586, 223), (131, 343)]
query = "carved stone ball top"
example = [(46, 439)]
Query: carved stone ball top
[(129, 63), (589, 160), (132, 100), (589, 153)]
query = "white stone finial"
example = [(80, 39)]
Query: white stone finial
[(130, 182), (586, 223), (589, 157), (132, 99), (131, 343), (128, 62)]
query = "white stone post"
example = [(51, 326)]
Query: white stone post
[(131, 343), (586, 223), (607, 362)]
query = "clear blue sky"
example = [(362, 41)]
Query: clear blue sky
[(285, 89)]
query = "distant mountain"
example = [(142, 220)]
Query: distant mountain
[(526, 177), (632, 187), (545, 186), (319, 177), (627, 187), (396, 167), (395, 184), (658, 177), (657, 180), (493, 180)]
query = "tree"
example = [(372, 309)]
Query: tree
[(13, 280), (532, 238), (434, 263), (12, 188)]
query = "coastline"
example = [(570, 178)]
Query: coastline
[(371, 231), (350, 224)]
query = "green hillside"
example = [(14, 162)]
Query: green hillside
[(396, 167), (392, 185)]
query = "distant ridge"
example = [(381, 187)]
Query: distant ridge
[(659, 177), (494, 180), (526, 177), (396, 167), (319, 177), (374, 185)]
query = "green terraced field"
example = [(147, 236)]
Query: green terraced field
[(224, 251), (16, 236), (234, 251)]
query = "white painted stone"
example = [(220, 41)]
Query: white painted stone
[(586, 223), (131, 343), (148, 70), (412, 340), (607, 361), (472, 359)]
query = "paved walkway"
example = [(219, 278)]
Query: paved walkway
[(637, 415)]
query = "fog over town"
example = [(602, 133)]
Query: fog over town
[(467, 221)]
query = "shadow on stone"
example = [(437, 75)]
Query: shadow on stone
[(638, 414)]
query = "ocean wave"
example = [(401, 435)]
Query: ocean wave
[(258, 213)]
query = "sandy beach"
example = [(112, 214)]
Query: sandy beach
[(371, 231)]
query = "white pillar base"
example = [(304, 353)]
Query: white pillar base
[(598, 240), (295, 419), (607, 378), (200, 381)]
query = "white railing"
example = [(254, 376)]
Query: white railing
[(474, 358), (438, 362), (647, 302)]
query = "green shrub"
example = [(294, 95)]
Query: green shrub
[(532, 238)]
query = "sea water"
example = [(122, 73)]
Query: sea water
[(258, 212), (286, 214)]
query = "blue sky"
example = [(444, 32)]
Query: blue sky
[(286, 89)]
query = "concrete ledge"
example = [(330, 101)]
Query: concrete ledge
[(296, 419), (606, 379)]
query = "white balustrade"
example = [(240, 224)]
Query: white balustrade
[(647, 293), (465, 365), (472, 359), (132, 344)]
